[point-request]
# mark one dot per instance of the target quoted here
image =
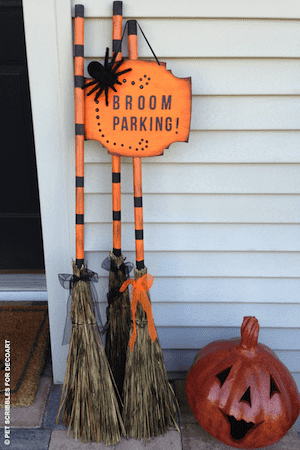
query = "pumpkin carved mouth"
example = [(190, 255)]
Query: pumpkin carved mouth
[(239, 428)]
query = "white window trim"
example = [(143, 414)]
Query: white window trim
[(48, 34)]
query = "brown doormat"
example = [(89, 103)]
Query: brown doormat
[(24, 340)]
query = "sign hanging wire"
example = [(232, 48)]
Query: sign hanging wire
[(149, 44), (120, 43)]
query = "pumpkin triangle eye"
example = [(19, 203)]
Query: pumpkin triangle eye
[(246, 397), (223, 375), (273, 387)]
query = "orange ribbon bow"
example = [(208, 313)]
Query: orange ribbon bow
[(139, 289)]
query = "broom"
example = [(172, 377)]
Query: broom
[(118, 310), (150, 404), (88, 402)]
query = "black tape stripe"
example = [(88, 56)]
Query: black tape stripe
[(132, 28), (79, 81), (79, 129), (117, 8), (117, 45), (79, 11), (116, 177), (117, 215), (117, 252), (139, 235), (79, 50), (79, 182), (138, 202), (79, 263), (140, 265), (79, 219)]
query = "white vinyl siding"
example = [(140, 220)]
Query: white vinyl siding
[(213, 38), (270, 9), (221, 212)]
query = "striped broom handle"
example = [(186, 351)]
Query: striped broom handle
[(79, 131), (137, 166), (116, 160)]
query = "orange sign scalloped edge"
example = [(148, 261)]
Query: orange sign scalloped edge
[(149, 111)]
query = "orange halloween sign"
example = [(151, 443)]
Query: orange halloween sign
[(150, 110)]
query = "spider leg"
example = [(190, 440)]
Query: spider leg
[(118, 82), (114, 89), (106, 95), (106, 57), (98, 94), (117, 65), (94, 89), (123, 71), (90, 84)]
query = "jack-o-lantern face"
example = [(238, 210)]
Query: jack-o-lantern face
[(241, 393)]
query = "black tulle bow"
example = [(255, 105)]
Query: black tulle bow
[(111, 266), (68, 281)]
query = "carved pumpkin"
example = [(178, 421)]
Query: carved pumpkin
[(241, 393)]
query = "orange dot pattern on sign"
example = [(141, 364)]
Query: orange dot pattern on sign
[(149, 111), (79, 131)]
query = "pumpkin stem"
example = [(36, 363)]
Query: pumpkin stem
[(249, 333)]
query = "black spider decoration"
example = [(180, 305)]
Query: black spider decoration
[(105, 76)]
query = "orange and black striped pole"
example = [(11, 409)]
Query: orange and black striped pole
[(116, 160), (137, 166), (79, 131)]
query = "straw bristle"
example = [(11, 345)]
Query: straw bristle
[(118, 323), (150, 404), (88, 402)]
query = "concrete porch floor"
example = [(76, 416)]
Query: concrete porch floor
[(34, 427)]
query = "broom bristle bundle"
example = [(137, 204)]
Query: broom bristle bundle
[(150, 405), (118, 320), (88, 402)]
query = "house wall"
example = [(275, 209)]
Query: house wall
[(221, 213)]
